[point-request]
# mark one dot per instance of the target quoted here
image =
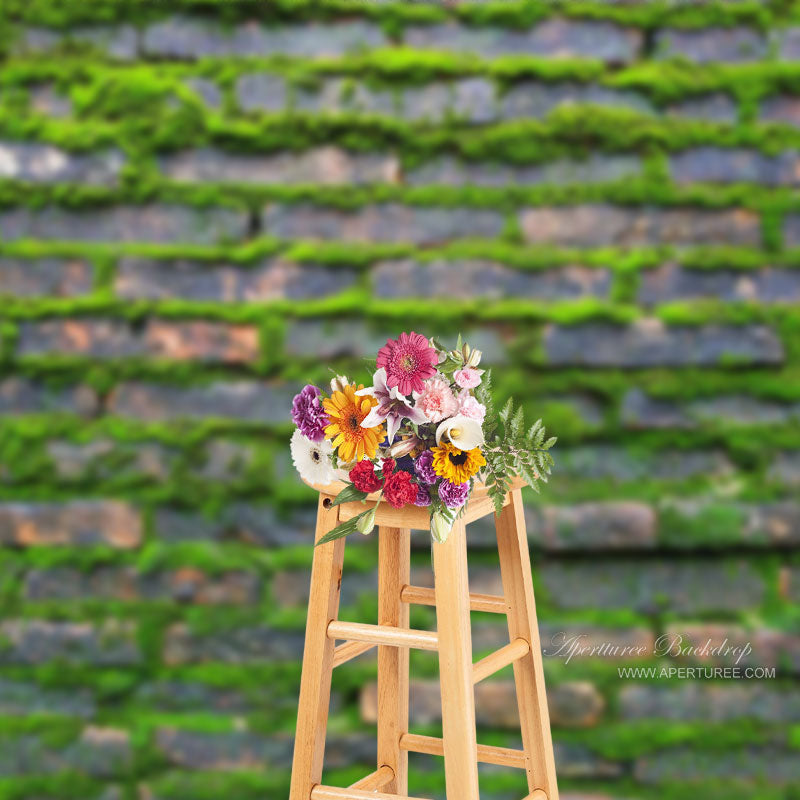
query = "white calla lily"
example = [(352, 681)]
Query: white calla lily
[(463, 432)]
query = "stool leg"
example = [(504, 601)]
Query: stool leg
[(315, 684), (455, 665), (515, 567), (394, 556)]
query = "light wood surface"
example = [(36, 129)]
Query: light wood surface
[(515, 568), (512, 652), (537, 795), (330, 793), (383, 634), (422, 596), (376, 781), (394, 565), (350, 650), (487, 754), (455, 665), (315, 684)]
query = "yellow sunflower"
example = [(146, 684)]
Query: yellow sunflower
[(457, 466), (346, 412)]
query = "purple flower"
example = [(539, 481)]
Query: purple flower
[(453, 495), (423, 496), (308, 414), (392, 406), (423, 466)]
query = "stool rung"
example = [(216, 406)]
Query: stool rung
[(432, 746), (383, 634), (375, 781), (420, 596), (348, 651), (512, 652), (539, 794), (331, 793)]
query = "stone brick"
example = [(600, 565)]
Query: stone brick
[(785, 468), (98, 752), (472, 278), (650, 343), (537, 100), (119, 42), (325, 166), (98, 338), (789, 44), (729, 165), (18, 698), (43, 163), (261, 91), (47, 100), (187, 38), (596, 225), (28, 642), (57, 277), (207, 90), (551, 38), (781, 108), (222, 751), (709, 703), (575, 704), (593, 526), (225, 460), (340, 94), (768, 764), (677, 587), (789, 584), (577, 761), (248, 401), (186, 585), (273, 279), (234, 646), (640, 410), (726, 45), (671, 282), (24, 396), (105, 458), (202, 341), (382, 223), (176, 695), (791, 230), (716, 107), (595, 169), (777, 523), (159, 224), (75, 523)]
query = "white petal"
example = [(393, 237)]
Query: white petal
[(373, 419)]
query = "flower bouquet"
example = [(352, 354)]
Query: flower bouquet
[(423, 433)]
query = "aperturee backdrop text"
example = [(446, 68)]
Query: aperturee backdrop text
[(421, 434)]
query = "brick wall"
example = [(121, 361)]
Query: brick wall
[(203, 205)]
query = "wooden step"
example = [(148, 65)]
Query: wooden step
[(432, 746), (375, 781), (383, 634), (512, 652), (331, 793), (420, 596), (350, 650)]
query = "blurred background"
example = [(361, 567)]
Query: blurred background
[(204, 205)]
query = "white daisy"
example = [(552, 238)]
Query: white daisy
[(312, 459)]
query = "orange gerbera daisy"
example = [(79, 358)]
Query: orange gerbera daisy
[(346, 412)]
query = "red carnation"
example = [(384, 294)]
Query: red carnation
[(364, 478), (399, 490), (388, 467)]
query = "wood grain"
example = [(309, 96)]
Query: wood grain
[(383, 634)]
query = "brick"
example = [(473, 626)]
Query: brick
[(109, 338), (261, 92), (43, 163), (595, 169), (576, 761), (102, 459), (538, 100), (715, 107), (202, 341), (340, 94), (326, 166), (119, 42), (19, 698), (234, 646), (98, 752), (382, 223), (778, 523), (595, 225), (651, 588), (247, 401), (472, 278), (790, 584), (791, 230), (709, 703), (789, 44), (57, 277), (47, 100), (649, 343), (729, 165), (24, 396), (226, 460), (29, 642), (159, 224), (186, 38), (272, 279), (671, 282), (781, 108), (78, 522), (593, 526), (785, 468), (176, 695), (726, 45), (222, 751), (186, 585), (207, 90), (551, 38), (770, 763), (640, 410)]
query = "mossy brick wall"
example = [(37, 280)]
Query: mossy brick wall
[(205, 204)]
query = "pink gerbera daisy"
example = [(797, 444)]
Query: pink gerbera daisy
[(408, 361)]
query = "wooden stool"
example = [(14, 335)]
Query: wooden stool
[(453, 641)]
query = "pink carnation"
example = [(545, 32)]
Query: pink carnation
[(468, 406), (467, 378), (437, 400)]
